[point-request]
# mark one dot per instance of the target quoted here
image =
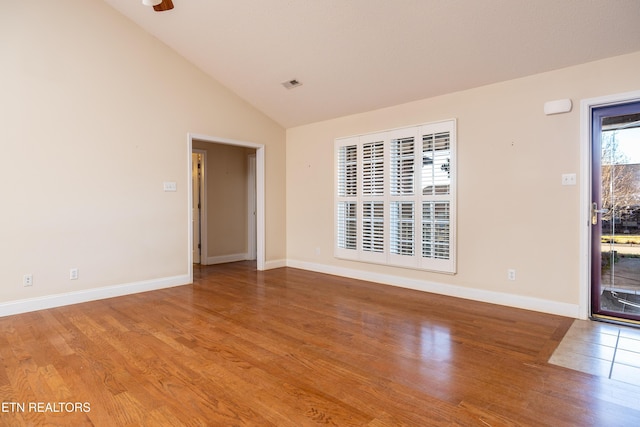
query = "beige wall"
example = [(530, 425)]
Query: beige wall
[(512, 210), (226, 177), (95, 116)]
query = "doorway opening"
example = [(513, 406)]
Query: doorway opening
[(614, 211), (233, 181)]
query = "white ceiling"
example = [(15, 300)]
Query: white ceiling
[(358, 55)]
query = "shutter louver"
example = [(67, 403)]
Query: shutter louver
[(436, 164), (402, 228), (348, 171), (373, 168), (402, 166), (436, 218), (347, 225), (373, 227)]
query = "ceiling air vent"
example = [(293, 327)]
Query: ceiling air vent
[(290, 84)]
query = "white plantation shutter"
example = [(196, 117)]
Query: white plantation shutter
[(347, 170), (373, 168), (372, 198), (436, 164), (347, 206), (438, 197), (347, 225), (436, 218), (373, 227), (396, 197), (403, 160), (402, 228)]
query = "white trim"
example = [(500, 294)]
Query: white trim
[(195, 172), (260, 196), (251, 207), (221, 259), (59, 300), (279, 263), (500, 298), (586, 105), (260, 213), (190, 209)]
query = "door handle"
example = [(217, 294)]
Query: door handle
[(595, 211)]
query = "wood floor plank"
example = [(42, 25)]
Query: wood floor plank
[(288, 347)]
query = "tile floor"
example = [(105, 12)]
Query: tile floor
[(602, 349)]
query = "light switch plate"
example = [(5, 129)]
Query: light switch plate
[(170, 186)]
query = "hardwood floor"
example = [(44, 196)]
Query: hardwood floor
[(288, 347)]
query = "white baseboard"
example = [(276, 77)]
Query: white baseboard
[(510, 300), (68, 298), (268, 265), (500, 298), (222, 259)]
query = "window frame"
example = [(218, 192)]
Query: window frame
[(443, 256)]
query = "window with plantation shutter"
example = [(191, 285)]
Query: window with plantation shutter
[(396, 197)]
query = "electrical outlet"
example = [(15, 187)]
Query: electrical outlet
[(511, 274), (27, 280), (73, 274), (568, 179)]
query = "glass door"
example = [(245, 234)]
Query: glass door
[(615, 213)]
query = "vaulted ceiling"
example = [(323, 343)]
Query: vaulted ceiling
[(358, 55)]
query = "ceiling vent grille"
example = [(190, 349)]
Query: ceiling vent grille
[(293, 83)]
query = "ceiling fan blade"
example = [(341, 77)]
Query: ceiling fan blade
[(165, 5)]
